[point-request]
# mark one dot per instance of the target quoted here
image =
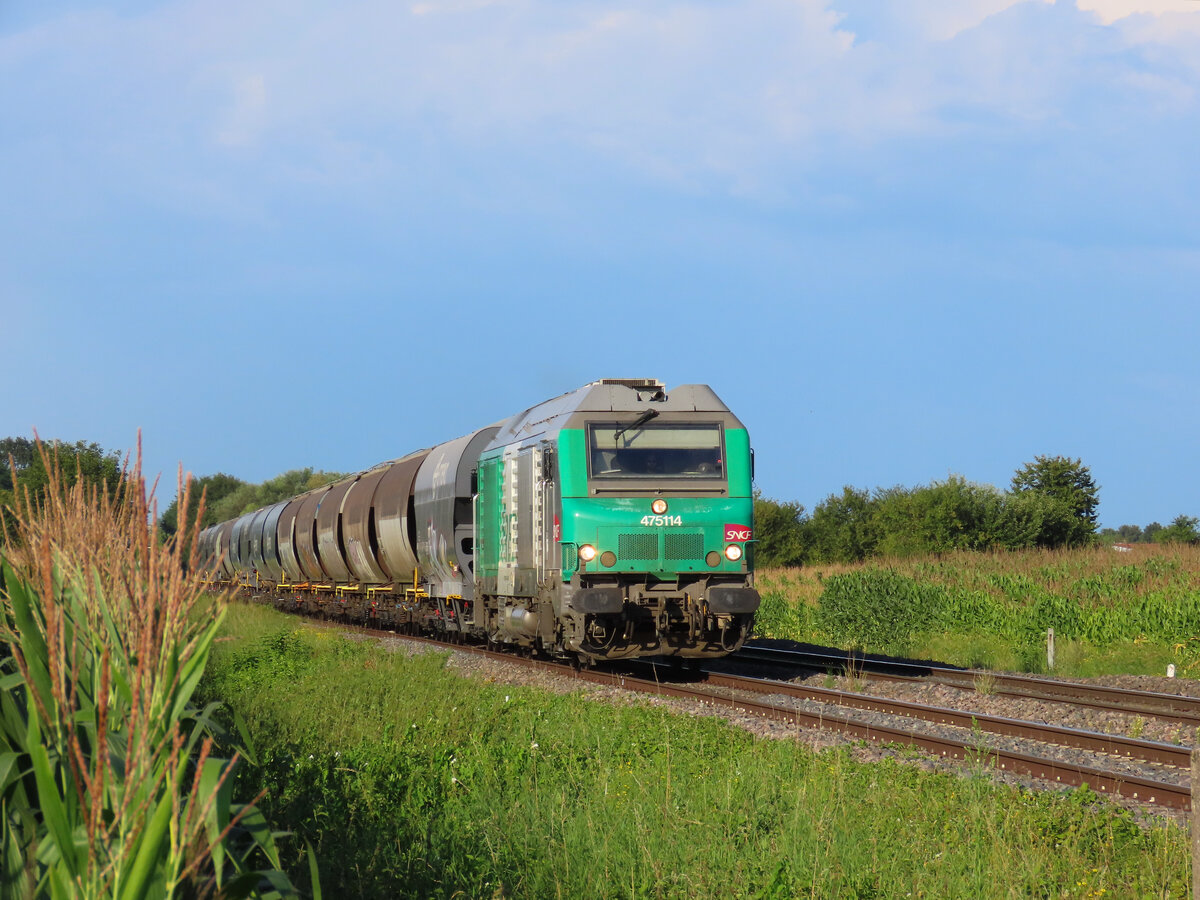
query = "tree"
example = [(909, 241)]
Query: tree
[(21, 452), (1130, 534), (954, 514), (214, 488), (1182, 530), (28, 472), (779, 532), (1069, 482), (1032, 519), (841, 528)]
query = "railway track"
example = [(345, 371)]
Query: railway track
[(1169, 707), (1113, 745), (737, 693)]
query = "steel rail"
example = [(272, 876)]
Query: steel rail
[(1115, 745), (1171, 707)]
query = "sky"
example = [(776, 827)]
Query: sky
[(901, 240)]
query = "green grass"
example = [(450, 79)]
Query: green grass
[(1111, 612), (1076, 659), (413, 781)]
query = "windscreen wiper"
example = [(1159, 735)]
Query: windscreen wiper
[(640, 420)]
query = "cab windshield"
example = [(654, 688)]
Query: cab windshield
[(654, 450)]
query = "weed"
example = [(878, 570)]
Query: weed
[(980, 755), (985, 684), (854, 672)]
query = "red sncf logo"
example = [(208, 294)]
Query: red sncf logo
[(737, 533)]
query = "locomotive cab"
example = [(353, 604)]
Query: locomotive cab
[(659, 537)]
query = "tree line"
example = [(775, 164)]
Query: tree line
[(1051, 503), (24, 469), (1182, 530), (226, 497)]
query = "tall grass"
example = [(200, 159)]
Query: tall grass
[(108, 783)]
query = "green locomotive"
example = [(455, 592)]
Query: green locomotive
[(614, 522)]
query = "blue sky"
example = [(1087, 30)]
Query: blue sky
[(901, 240)]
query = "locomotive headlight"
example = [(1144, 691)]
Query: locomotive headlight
[(732, 553), (587, 552), (659, 506)]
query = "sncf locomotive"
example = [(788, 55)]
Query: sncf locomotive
[(614, 521)]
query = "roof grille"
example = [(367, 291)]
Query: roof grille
[(656, 389)]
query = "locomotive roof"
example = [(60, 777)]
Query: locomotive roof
[(610, 395)]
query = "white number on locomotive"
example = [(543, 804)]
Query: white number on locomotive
[(661, 520)]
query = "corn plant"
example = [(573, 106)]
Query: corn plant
[(108, 783)]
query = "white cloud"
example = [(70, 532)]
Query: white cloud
[(1110, 11), (938, 20), (454, 6)]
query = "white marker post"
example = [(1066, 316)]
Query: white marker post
[(1050, 649)]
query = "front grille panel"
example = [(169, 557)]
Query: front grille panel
[(637, 546), (684, 546)]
